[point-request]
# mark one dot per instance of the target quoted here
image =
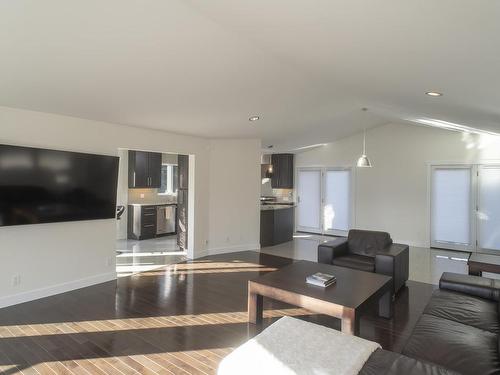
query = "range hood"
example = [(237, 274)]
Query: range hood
[(265, 159)]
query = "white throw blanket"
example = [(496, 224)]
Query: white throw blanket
[(292, 346)]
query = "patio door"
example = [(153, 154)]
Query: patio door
[(308, 200), (325, 200), (488, 208)]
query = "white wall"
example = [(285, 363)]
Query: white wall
[(234, 217), (393, 195), (61, 256)]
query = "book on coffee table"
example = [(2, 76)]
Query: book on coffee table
[(321, 279)]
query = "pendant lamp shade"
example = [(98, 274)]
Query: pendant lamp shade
[(364, 161)]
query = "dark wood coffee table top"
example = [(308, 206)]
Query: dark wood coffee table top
[(485, 258), (479, 263), (352, 289)]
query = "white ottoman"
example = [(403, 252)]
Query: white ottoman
[(292, 346)]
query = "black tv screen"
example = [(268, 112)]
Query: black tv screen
[(46, 186)]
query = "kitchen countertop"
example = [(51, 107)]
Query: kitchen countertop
[(153, 204), (269, 207)]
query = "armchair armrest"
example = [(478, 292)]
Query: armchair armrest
[(393, 249), (332, 249), (394, 261), (473, 285)]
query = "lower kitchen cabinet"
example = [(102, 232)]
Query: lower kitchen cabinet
[(144, 221), (276, 226)]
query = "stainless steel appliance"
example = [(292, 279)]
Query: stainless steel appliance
[(165, 219)]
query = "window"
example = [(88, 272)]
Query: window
[(168, 184), (325, 200)]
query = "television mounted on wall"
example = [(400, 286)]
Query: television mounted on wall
[(47, 186)]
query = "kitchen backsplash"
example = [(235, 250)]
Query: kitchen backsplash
[(149, 196), (282, 195)]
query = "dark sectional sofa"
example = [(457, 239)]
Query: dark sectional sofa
[(458, 333)]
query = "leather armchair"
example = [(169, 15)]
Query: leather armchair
[(368, 251)]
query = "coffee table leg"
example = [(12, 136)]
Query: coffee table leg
[(255, 307), (350, 323), (385, 305)]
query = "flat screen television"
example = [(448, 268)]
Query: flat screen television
[(47, 186)]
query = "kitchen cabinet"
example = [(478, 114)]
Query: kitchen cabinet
[(144, 169), (282, 171), (183, 171), (182, 201), (151, 220), (141, 222), (276, 226)]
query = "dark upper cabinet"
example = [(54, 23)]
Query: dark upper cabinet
[(144, 169), (182, 200), (282, 171), (183, 171)]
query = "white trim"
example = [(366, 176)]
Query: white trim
[(227, 249), (31, 295)]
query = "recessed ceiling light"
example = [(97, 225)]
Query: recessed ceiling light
[(433, 93), (254, 118)]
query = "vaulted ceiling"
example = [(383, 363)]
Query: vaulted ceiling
[(204, 67)]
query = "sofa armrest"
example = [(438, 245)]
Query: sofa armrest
[(473, 285), (332, 249)]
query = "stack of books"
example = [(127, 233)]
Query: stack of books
[(321, 279)]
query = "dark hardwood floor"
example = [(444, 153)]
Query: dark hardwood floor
[(181, 319)]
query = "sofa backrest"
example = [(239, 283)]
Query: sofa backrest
[(367, 242)]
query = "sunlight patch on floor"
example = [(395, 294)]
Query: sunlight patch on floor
[(156, 322)]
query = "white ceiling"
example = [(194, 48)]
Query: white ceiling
[(203, 67)]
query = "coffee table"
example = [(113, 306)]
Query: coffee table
[(353, 292), (479, 263)]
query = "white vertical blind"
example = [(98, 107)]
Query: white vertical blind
[(489, 207), (309, 205), (337, 203), (451, 205)]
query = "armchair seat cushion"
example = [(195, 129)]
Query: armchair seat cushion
[(464, 308), (358, 262)]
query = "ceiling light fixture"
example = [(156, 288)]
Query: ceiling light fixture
[(364, 161), (433, 93), (254, 118)]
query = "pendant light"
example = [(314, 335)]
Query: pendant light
[(364, 161)]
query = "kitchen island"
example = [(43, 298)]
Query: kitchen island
[(276, 224)]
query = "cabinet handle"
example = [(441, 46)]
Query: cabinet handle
[(149, 214), (148, 226)]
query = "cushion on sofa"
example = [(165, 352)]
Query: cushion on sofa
[(358, 262), (466, 309), (390, 363), (293, 347), (456, 346), (367, 243)]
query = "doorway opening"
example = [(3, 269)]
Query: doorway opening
[(152, 210)]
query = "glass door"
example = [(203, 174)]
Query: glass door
[(309, 200), (452, 205), (488, 208), (337, 205)]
